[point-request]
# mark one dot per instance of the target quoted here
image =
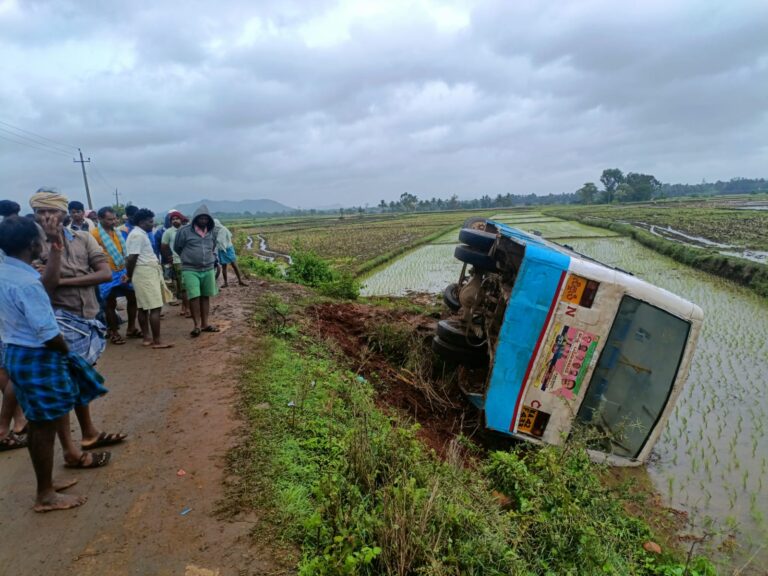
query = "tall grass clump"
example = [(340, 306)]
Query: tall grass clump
[(309, 269)]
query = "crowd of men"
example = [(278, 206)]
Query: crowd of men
[(63, 273)]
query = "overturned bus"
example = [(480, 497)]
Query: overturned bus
[(555, 341)]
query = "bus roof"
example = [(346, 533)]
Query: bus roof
[(589, 267)]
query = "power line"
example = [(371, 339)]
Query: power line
[(100, 175), (29, 145), (33, 140), (40, 136)]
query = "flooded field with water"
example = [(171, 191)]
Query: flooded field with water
[(712, 459)]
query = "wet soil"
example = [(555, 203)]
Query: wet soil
[(178, 407)]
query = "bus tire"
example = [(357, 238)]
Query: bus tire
[(452, 332), (452, 354), (451, 297), (474, 223), (474, 257), (477, 239)]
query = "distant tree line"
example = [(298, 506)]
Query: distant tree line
[(732, 186), (411, 203), (635, 187), (616, 187)]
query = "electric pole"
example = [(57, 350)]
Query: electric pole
[(85, 178), (117, 199)]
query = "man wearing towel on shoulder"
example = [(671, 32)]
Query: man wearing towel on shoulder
[(70, 282), (146, 274), (113, 244)]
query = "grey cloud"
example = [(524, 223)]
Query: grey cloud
[(531, 97)]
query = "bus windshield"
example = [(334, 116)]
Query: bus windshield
[(634, 377)]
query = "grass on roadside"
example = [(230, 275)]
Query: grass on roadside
[(358, 493)]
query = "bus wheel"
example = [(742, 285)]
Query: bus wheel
[(474, 223), (452, 354), (477, 239), (451, 297), (452, 332), (474, 257)]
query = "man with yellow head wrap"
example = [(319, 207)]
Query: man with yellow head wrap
[(72, 279), (45, 199)]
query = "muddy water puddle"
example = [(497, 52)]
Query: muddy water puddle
[(712, 459)]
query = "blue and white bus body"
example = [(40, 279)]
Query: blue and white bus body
[(615, 358)]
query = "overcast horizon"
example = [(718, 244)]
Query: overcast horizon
[(349, 103)]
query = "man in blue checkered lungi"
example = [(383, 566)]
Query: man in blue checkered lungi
[(49, 381)]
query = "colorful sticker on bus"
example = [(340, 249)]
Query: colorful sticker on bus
[(569, 351)]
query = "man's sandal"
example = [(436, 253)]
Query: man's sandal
[(135, 334), (117, 339), (195, 333), (105, 439), (210, 328), (13, 441), (98, 460)]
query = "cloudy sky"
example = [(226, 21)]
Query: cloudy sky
[(318, 102)]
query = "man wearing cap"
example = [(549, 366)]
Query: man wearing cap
[(79, 221), (70, 281)]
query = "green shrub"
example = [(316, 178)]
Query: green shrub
[(342, 285), (258, 267), (309, 269)]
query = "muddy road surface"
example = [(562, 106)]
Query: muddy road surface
[(178, 407)]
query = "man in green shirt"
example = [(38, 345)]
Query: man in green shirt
[(171, 258)]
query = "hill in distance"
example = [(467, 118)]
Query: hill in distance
[(261, 206)]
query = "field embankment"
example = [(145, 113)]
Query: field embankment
[(705, 234)]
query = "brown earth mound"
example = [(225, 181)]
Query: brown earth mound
[(435, 403)]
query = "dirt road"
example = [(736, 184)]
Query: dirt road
[(178, 408)]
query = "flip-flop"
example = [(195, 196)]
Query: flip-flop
[(13, 441), (98, 460), (210, 328), (195, 333), (135, 334), (105, 439), (161, 346)]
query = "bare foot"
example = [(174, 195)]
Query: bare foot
[(243, 283), (62, 485), (56, 501)]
